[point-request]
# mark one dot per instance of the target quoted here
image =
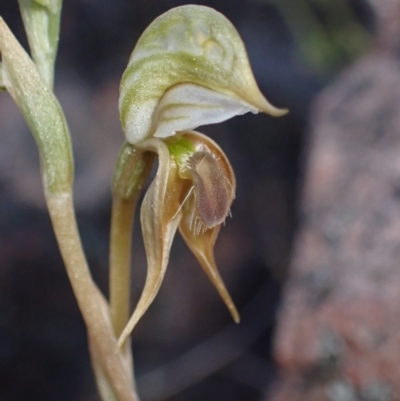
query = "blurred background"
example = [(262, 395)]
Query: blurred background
[(309, 256)]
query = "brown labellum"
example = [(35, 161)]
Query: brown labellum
[(211, 189)]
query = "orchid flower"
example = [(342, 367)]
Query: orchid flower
[(189, 68)]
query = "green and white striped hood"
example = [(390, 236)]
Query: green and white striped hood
[(189, 68)]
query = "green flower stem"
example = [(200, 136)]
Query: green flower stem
[(92, 304), (132, 170), (103, 383), (41, 111), (42, 25), (120, 257), (46, 121)]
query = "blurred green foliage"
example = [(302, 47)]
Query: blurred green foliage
[(328, 34)]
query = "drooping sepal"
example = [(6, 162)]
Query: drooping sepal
[(206, 209), (202, 245), (159, 219)]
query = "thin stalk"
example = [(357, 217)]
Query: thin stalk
[(132, 170), (92, 304), (120, 259), (103, 383), (46, 120)]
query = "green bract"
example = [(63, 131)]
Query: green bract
[(42, 25), (189, 68)]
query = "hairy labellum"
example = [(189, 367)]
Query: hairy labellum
[(211, 191)]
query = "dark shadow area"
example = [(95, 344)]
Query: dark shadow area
[(186, 347)]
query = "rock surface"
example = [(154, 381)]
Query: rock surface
[(338, 333)]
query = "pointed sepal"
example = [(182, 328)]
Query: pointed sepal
[(189, 68), (159, 219)]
